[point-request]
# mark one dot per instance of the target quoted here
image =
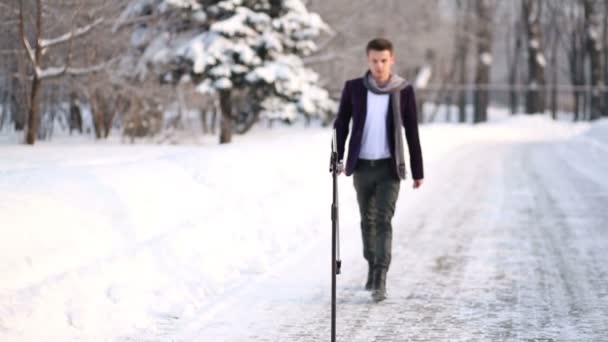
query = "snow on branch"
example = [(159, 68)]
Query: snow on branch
[(321, 58), (121, 22), (26, 43), (53, 72), (45, 43)]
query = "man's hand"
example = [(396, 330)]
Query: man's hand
[(417, 183), (340, 168)]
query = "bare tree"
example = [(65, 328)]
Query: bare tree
[(35, 53)]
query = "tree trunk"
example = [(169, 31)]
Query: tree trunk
[(449, 102), (103, 113), (554, 68), (484, 61), (17, 106), (586, 106), (109, 119), (178, 121), (605, 50), (226, 124), (4, 102), (463, 49), (75, 118), (33, 112), (580, 73), (214, 120), (205, 124), (34, 103), (573, 59), (53, 104), (594, 49), (98, 109), (45, 114), (514, 70), (535, 99)]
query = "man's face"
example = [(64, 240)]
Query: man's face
[(380, 63)]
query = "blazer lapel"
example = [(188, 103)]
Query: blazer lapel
[(363, 97)]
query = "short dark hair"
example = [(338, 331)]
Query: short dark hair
[(379, 44)]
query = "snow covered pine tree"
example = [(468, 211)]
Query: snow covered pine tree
[(222, 46)]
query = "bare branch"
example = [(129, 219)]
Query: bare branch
[(45, 43), (26, 43), (55, 72), (71, 40), (321, 58), (120, 23)]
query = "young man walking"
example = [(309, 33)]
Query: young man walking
[(379, 104)]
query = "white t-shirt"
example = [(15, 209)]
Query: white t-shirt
[(374, 143)]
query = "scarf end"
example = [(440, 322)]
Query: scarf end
[(401, 170)]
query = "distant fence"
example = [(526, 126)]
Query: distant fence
[(561, 100), (564, 100)]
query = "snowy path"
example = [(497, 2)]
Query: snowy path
[(506, 241)]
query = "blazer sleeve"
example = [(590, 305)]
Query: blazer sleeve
[(410, 122), (342, 122)]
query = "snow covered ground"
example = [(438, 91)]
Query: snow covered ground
[(105, 242)]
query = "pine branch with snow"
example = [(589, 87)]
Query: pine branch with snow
[(237, 44)]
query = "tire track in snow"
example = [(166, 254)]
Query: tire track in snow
[(569, 219)]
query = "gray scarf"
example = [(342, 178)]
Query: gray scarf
[(393, 87)]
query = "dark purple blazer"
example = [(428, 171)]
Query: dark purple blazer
[(353, 104)]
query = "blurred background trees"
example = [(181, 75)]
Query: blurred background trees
[(165, 68)]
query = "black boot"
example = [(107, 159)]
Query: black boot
[(369, 284), (379, 293)]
